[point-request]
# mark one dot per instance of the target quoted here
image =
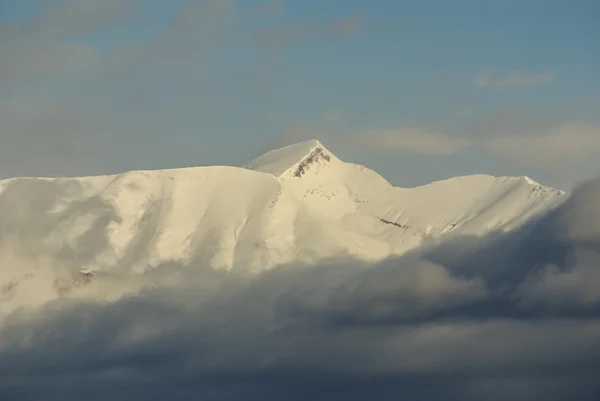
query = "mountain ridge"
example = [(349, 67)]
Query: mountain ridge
[(264, 162), (297, 203)]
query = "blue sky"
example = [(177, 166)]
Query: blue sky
[(418, 91)]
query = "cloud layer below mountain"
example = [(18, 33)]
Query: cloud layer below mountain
[(508, 316)]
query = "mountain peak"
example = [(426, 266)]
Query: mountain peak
[(294, 158)]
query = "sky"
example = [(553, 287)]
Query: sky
[(418, 91)]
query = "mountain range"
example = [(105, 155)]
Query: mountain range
[(296, 204)]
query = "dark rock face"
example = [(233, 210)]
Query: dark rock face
[(315, 156), (392, 223)]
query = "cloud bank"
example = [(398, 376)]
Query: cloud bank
[(556, 147), (573, 141), (508, 316)]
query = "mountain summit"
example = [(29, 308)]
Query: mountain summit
[(299, 203), (292, 159)]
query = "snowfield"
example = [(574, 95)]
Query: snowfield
[(299, 203)]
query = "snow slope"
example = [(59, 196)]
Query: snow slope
[(295, 204)]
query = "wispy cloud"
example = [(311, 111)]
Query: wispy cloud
[(515, 141), (61, 132), (295, 133), (346, 26), (271, 7), (340, 27), (187, 38), (411, 139), (43, 47), (48, 46), (571, 142), (72, 17), (68, 18), (513, 79), (28, 59)]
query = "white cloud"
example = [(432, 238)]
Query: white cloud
[(574, 141), (513, 79), (412, 139), (514, 137)]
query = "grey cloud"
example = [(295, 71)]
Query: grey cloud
[(42, 47), (513, 79), (449, 321), (26, 60), (85, 134), (510, 121), (35, 49), (544, 144), (58, 138), (578, 220), (576, 287), (394, 290), (576, 141), (270, 7), (548, 145), (232, 344), (347, 26), (84, 126), (299, 31), (574, 282), (410, 139), (198, 25)]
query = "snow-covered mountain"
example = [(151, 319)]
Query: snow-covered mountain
[(299, 203)]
